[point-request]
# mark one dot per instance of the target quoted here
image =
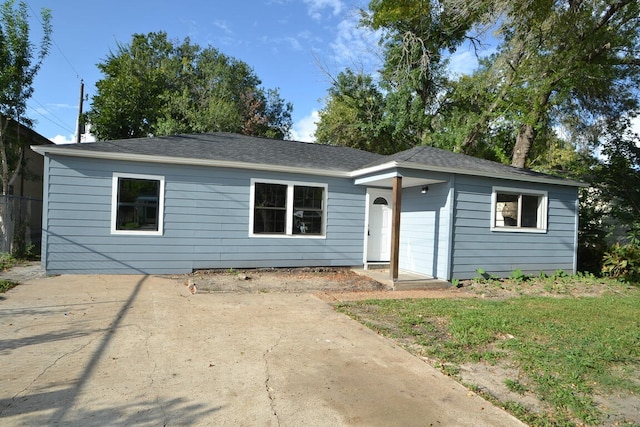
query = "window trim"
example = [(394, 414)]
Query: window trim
[(288, 234), (114, 204), (543, 213)]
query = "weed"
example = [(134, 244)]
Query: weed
[(518, 276), (7, 261), (5, 285), (515, 386), (482, 275)]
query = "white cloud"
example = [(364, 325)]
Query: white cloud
[(71, 139), (223, 25), (462, 62), (305, 128), (355, 45), (317, 6)]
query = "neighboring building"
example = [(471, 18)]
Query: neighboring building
[(21, 209), (179, 203)]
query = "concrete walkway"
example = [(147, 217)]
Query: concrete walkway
[(144, 351)]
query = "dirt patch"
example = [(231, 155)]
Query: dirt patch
[(23, 272), (294, 280)]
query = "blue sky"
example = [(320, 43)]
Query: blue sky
[(288, 43)]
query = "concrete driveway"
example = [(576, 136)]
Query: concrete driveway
[(144, 351)]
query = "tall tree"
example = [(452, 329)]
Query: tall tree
[(559, 55), (416, 38), (553, 58), (354, 115), (156, 86), (19, 65)]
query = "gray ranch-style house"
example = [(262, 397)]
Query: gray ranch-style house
[(175, 204)]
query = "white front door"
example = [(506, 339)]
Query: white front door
[(379, 227)]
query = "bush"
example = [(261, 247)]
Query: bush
[(623, 262)]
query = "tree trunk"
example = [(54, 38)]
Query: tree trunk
[(524, 141)]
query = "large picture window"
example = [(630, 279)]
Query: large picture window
[(137, 204), (287, 209), (518, 210)]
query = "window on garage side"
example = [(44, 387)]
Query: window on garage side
[(519, 210), (288, 209), (137, 204)]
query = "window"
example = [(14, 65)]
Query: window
[(137, 204), (287, 209), (519, 210)]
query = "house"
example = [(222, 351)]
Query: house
[(175, 204), (21, 207)]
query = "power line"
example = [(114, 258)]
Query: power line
[(60, 123), (55, 44)]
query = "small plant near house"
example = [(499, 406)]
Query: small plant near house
[(622, 262), (518, 276), (482, 275)]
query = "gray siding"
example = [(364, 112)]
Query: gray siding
[(500, 253), (425, 230), (206, 222)]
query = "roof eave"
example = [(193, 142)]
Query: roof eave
[(430, 168), (149, 158)]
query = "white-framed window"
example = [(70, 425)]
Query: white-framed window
[(518, 210), (137, 204), (287, 209)]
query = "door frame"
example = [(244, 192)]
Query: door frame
[(372, 194)]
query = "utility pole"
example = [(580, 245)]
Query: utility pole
[(80, 129)]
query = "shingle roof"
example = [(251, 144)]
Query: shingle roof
[(447, 160), (238, 148), (313, 158)]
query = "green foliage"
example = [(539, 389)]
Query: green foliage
[(5, 285), (518, 276), (557, 65), (156, 86), (7, 261), (567, 350), (515, 386), (623, 262), (483, 275), (354, 115)]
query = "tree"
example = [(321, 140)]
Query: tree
[(557, 56), (18, 67), (416, 37), (354, 115), (155, 86), (553, 58)]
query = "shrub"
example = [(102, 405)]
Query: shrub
[(623, 262)]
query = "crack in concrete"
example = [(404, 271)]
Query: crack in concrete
[(270, 390), (152, 375), (44, 371)]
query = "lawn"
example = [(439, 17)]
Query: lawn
[(569, 360)]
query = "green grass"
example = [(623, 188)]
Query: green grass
[(567, 349), (5, 285)]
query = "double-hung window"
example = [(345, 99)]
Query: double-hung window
[(137, 204), (518, 210), (287, 208)]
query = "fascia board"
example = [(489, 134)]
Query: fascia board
[(511, 177), (187, 161)]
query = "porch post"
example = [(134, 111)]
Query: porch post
[(395, 227)]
